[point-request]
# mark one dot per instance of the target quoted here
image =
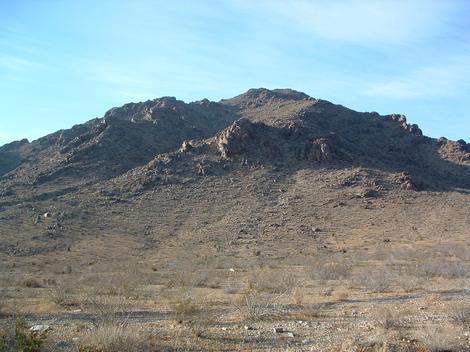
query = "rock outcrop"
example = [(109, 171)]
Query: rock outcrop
[(458, 151), (401, 120)]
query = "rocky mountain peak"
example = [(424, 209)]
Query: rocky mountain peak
[(260, 126), (256, 96)]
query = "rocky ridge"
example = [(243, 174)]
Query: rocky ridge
[(259, 127)]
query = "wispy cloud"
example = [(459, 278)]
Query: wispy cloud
[(365, 22), (450, 80), (16, 63)]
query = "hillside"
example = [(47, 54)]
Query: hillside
[(267, 180)]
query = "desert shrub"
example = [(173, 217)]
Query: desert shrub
[(466, 287), (232, 285), (341, 295), (67, 269), (387, 319), (183, 306), (61, 295), (271, 281), (408, 283), (182, 302), (373, 281), (16, 336), (189, 278), (263, 294), (254, 305), (436, 268), (32, 282), (104, 309), (329, 271), (113, 338), (298, 296)]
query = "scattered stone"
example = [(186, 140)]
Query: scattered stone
[(367, 193), (40, 329)]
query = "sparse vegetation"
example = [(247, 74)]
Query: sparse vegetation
[(437, 338), (113, 338), (104, 309), (15, 335)]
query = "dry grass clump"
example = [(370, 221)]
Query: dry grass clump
[(114, 338), (358, 344), (110, 332), (437, 338), (184, 304), (461, 314)]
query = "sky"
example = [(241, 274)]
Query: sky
[(63, 62)]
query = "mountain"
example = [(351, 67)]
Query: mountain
[(211, 166)]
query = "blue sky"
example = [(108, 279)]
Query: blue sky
[(65, 62)]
